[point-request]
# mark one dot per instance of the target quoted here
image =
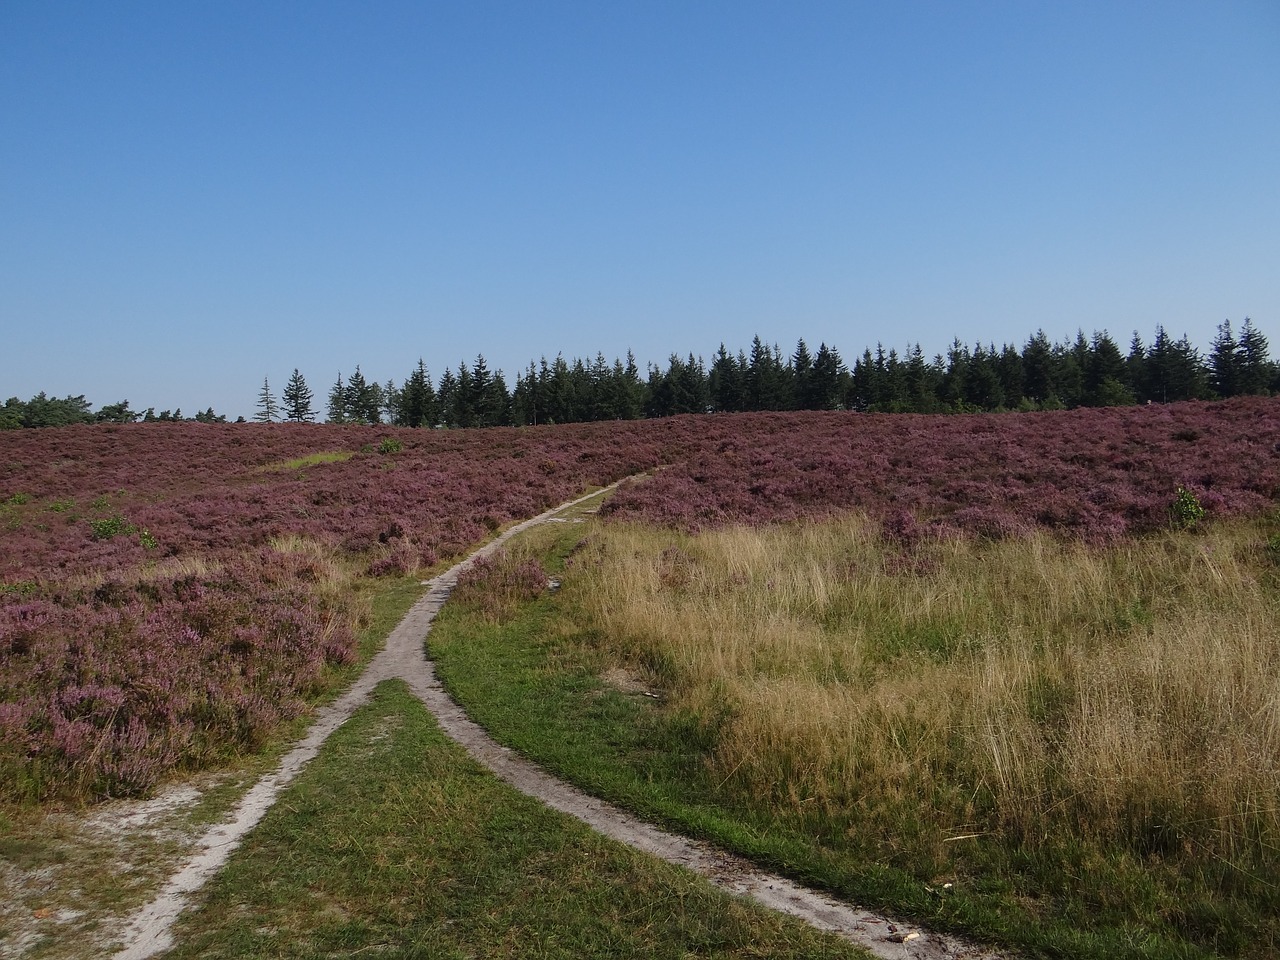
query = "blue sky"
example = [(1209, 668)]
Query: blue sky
[(195, 196)]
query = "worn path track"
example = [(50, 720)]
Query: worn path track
[(404, 658)]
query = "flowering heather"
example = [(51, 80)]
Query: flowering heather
[(495, 586), (154, 611), (1089, 474)]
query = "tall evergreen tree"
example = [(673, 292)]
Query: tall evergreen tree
[(447, 398), (1224, 361), (1009, 370), (767, 385), (1039, 369), (363, 399), (478, 385), (981, 380), (1256, 372), (417, 406), (297, 400), (268, 411), (337, 407), (1104, 371), (727, 382), (803, 397), (824, 381), (1136, 375), (633, 389)]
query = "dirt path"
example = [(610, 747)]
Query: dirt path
[(149, 930)]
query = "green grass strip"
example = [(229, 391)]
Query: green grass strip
[(395, 843)]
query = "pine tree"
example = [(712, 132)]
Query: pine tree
[(1104, 374), (802, 378), (417, 400), (825, 381), (446, 398), (1255, 368), (481, 399), (297, 400), (338, 402), (268, 411), (363, 399), (1224, 361)]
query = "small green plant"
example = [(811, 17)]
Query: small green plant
[(1186, 511), (147, 540), (390, 445), (101, 502), (62, 505), (1273, 549), (18, 499), (104, 528)]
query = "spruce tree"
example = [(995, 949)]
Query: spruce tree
[(268, 411), (337, 412), (1224, 361), (363, 399), (417, 407), (1256, 372), (297, 400)]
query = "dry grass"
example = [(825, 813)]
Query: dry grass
[(1028, 688)]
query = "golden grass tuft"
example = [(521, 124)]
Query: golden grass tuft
[(1128, 694)]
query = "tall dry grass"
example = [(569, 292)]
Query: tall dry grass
[(1026, 688)]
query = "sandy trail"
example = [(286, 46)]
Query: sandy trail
[(404, 657)]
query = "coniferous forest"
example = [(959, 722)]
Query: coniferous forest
[(1041, 375)]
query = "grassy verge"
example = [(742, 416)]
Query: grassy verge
[(984, 737), (395, 843)]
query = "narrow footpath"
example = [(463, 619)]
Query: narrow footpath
[(149, 931)]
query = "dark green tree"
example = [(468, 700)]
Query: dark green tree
[(363, 399), (118, 413), (1040, 369), (297, 400), (728, 382), (1224, 361), (447, 398), (1104, 374), (825, 379), (337, 408), (1256, 371), (418, 407)]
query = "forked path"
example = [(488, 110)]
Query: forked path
[(404, 658)]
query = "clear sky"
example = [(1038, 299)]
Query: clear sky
[(198, 195)]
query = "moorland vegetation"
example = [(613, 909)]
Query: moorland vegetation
[(1061, 737), (992, 651)]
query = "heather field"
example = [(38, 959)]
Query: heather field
[(169, 593), (1090, 474)]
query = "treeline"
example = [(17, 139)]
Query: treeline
[(46, 411), (1041, 375)]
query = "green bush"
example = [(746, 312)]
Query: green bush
[(104, 528), (390, 445), (1186, 511)]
